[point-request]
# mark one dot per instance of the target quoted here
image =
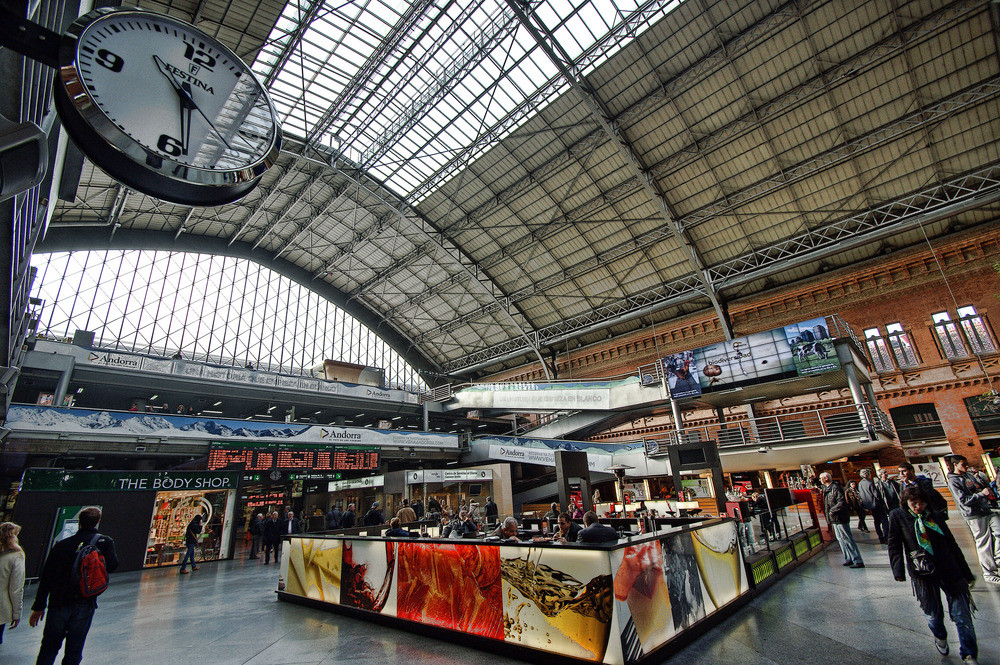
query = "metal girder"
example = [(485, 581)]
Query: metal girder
[(262, 203), (813, 87), (314, 217), (279, 217), (965, 192), (962, 193), (570, 72), (539, 98), (444, 81), (378, 57), (293, 41), (914, 122), (391, 269)]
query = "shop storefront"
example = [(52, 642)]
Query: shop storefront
[(146, 512), (452, 488)]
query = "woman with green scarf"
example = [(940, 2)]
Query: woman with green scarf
[(923, 546)]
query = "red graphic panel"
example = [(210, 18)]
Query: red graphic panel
[(452, 586)]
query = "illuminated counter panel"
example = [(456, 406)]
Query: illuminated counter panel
[(613, 604)]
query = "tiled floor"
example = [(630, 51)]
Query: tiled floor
[(227, 613)]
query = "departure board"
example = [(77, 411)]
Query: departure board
[(292, 457)]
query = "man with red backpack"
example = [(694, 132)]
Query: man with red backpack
[(75, 573)]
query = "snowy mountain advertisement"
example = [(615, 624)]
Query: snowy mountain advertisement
[(57, 420)]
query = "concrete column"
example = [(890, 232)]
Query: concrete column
[(427, 418), (857, 394), (63, 385)]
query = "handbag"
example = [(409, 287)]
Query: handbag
[(921, 563)]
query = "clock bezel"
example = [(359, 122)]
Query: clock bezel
[(127, 160)]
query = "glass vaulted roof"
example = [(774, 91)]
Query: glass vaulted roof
[(413, 91)]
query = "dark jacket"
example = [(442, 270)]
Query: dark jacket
[(433, 505), (55, 586), (458, 528), (256, 527), (573, 534), (374, 517), (283, 527), (965, 489), (871, 495), (269, 529), (835, 504), (890, 493), (192, 531), (399, 533), (937, 503), (418, 508), (347, 520), (491, 510), (952, 574), (597, 533), (333, 519)]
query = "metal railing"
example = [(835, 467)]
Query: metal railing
[(845, 420)]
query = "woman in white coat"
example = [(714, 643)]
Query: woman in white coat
[(11, 576)]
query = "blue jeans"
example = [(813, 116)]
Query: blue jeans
[(847, 544), (70, 622), (188, 556), (961, 614)]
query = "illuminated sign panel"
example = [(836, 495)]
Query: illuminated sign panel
[(292, 457)]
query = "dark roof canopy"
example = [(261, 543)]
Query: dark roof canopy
[(492, 179)]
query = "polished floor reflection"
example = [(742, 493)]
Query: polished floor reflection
[(227, 613)]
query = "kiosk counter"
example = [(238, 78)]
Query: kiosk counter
[(613, 603)]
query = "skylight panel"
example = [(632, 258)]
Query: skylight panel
[(415, 92)]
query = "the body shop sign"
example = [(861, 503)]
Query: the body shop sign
[(58, 480)]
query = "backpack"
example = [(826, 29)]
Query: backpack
[(90, 573)]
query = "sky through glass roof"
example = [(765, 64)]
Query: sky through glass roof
[(412, 92)]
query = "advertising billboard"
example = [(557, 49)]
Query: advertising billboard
[(798, 349)]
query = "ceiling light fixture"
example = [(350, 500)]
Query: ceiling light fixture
[(218, 403)]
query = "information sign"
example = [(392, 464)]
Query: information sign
[(305, 457)]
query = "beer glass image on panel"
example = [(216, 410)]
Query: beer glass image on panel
[(367, 576), (557, 599), (452, 586), (641, 599), (719, 562), (687, 601), (314, 568)]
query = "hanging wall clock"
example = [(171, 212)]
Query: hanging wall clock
[(164, 108)]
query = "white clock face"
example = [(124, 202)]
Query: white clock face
[(177, 93)]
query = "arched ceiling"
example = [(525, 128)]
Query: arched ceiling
[(658, 159)]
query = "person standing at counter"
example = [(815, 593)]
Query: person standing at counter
[(568, 531), (507, 530), (396, 529), (190, 540), (348, 519), (594, 531)]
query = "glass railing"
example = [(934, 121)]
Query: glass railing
[(845, 420)]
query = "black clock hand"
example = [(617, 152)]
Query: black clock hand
[(188, 104), (184, 101)]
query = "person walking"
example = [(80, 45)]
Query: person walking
[(256, 531), (348, 519), (492, 511), (922, 546), (854, 501), (11, 577), (936, 503), (890, 490), (69, 614), (873, 500), (270, 536), (839, 516), (977, 503), (190, 540)]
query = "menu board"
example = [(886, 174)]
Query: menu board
[(292, 457)]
